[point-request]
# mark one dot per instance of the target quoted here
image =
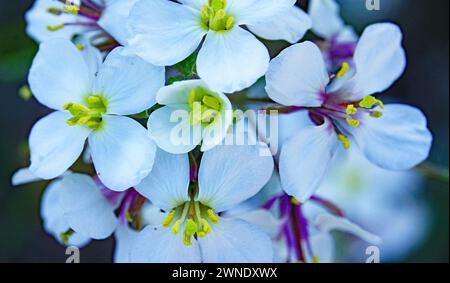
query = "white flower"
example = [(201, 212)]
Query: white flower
[(193, 114), (63, 19), (393, 137), (89, 98), (230, 58), (370, 195), (194, 231)]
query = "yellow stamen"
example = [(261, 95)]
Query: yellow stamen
[(344, 140), (71, 9), (369, 101), (212, 216), (25, 93), (176, 227), (80, 47), (351, 109), (376, 114), (169, 219), (295, 201), (352, 122), (344, 69), (55, 28), (315, 259)]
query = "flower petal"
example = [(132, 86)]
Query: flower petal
[(254, 12), (226, 170), (291, 27), (54, 145), (236, 241), (122, 152), (125, 238), (171, 130), (305, 158), (231, 61), (114, 19), (263, 219), (164, 32), (326, 19), (298, 76), (23, 176), (160, 187), (59, 74), (399, 140), (379, 59), (53, 218), (328, 222), (159, 245), (85, 208), (324, 248), (128, 82)]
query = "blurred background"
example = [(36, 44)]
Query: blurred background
[(425, 85)]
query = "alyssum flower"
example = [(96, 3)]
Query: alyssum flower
[(90, 98), (194, 231), (100, 20), (192, 114), (339, 40), (393, 136), (231, 58)]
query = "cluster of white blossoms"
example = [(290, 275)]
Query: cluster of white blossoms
[(147, 91)]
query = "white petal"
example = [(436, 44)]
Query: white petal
[(122, 152), (164, 32), (231, 61), (326, 19), (160, 186), (160, 245), (379, 58), (298, 76), (291, 27), (23, 176), (216, 132), (178, 92), (129, 83), (263, 219), (59, 74), (38, 19), (125, 238), (171, 130), (254, 12), (323, 247), (54, 145), (85, 208), (54, 221), (305, 158), (236, 241), (92, 56), (231, 174), (399, 140), (327, 223), (114, 19)]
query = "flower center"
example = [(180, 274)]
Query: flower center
[(214, 17), (204, 106), (197, 218), (89, 115)]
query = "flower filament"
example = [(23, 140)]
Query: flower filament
[(89, 115), (196, 219), (204, 106), (214, 16)]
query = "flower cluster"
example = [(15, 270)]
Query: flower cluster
[(152, 94)]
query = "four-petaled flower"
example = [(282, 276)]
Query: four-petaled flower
[(393, 136), (91, 99)]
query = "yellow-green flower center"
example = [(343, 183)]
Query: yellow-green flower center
[(204, 106), (90, 114), (214, 16), (196, 218)]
